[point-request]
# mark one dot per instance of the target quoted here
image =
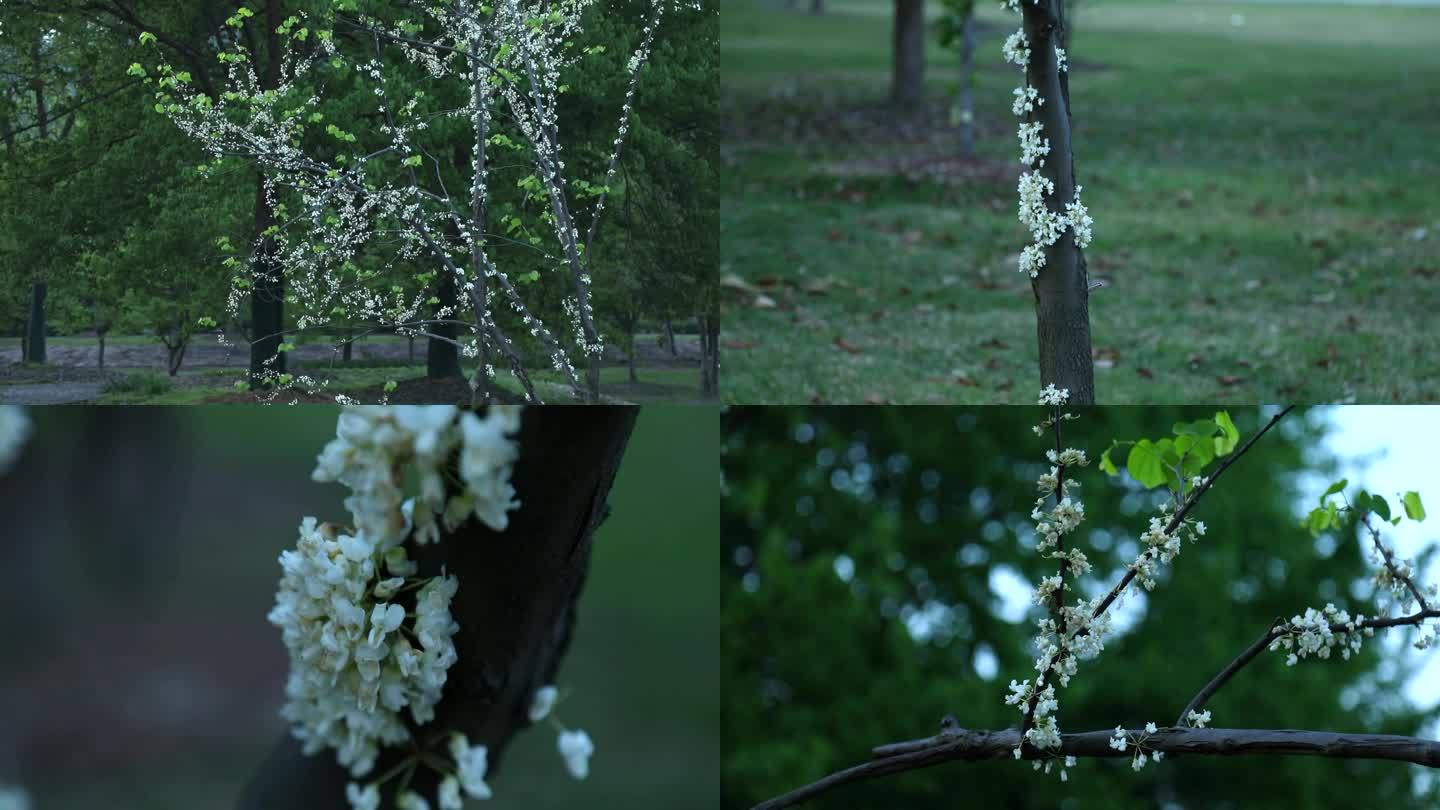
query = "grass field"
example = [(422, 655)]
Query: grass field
[(1264, 179)]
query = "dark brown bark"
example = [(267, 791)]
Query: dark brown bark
[(907, 80), (515, 605), (1062, 296)]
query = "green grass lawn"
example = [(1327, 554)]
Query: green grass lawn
[(1266, 198)]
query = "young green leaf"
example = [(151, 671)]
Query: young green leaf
[(1413, 508)]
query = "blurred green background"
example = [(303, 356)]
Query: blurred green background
[(141, 548), (877, 565)]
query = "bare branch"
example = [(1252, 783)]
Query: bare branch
[(970, 745)]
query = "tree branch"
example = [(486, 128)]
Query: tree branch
[(1389, 558), (1179, 516), (971, 745)]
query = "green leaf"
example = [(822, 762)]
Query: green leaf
[(146, 38), (1225, 443), (1334, 488), (1413, 508), (391, 385), (1318, 520), (1201, 427), (1144, 464), (1106, 465), (1379, 506)]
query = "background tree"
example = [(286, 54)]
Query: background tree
[(907, 76)]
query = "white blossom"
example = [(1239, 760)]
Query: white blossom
[(576, 748), (542, 703), (471, 763), (1198, 719)]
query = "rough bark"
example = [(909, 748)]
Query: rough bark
[(1062, 297), (515, 606), (35, 324), (907, 80), (267, 295)]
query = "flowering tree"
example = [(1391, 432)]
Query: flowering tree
[(1050, 204), (392, 188), (1185, 466), (429, 631)]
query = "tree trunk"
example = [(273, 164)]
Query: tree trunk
[(967, 84), (35, 325), (176, 354), (442, 358), (714, 326), (907, 80), (515, 606), (709, 357), (267, 295), (347, 349), (1062, 296), (592, 378), (670, 338), (101, 337)]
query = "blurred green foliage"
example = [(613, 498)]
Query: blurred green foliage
[(865, 552)]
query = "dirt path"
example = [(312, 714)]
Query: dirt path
[(49, 393)]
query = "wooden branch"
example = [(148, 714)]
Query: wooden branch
[(1278, 629), (515, 605), (1179, 516), (1389, 558), (971, 745)]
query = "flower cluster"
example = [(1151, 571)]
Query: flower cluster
[(1198, 719), (1123, 740), (14, 431), (1161, 544), (1318, 632), (1046, 226), (371, 640), (1059, 630)]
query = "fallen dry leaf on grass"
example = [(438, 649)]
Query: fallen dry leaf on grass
[(842, 343), (1229, 379)]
